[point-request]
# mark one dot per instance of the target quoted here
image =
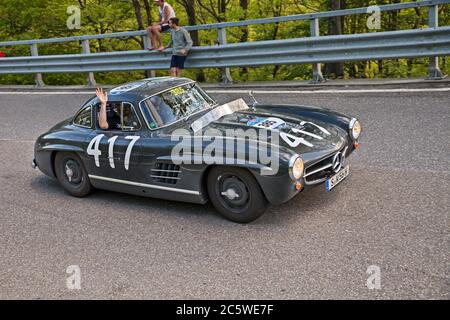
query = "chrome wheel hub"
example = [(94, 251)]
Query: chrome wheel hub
[(230, 194), (72, 171), (69, 173)]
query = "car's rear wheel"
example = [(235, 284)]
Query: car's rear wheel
[(236, 194), (71, 174)]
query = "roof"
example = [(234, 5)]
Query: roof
[(139, 90)]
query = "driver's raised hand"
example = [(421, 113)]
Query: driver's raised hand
[(101, 95)]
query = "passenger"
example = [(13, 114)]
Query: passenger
[(165, 112)]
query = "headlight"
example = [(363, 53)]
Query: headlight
[(296, 167), (355, 129)]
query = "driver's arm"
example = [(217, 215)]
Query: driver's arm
[(102, 117), (102, 96)]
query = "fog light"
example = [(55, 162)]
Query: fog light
[(356, 145), (298, 186)]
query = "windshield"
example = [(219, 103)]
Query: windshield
[(177, 103)]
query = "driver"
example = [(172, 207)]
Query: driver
[(108, 118), (165, 112)]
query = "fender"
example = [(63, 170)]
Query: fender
[(62, 147), (44, 156)]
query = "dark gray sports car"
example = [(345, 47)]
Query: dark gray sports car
[(173, 141)]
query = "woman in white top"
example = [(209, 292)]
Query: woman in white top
[(154, 31)]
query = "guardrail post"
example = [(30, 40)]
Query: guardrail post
[(87, 50), (434, 72), (222, 39), (316, 68), (147, 45), (38, 78)]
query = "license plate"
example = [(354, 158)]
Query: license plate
[(333, 181)]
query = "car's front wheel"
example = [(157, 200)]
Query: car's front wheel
[(71, 174), (236, 194)]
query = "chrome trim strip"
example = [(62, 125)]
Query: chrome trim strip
[(315, 181), (295, 130), (352, 123), (344, 156), (144, 185), (319, 169), (163, 170), (163, 177), (350, 128), (291, 166), (317, 126)]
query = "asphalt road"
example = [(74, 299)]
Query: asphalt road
[(391, 212)]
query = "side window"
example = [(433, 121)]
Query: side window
[(120, 116), (84, 118)]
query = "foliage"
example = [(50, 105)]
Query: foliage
[(32, 19)]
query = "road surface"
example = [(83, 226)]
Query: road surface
[(392, 212)]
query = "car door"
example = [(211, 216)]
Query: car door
[(117, 153), (157, 168)]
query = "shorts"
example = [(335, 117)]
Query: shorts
[(164, 27), (177, 62)]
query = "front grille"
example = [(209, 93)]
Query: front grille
[(319, 171), (165, 172)]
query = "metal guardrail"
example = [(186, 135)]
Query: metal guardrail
[(397, 44), (431, 42)]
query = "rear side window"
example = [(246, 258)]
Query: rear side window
[(84, 118)]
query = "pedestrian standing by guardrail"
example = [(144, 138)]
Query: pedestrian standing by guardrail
[(181, 42), (154, 31)]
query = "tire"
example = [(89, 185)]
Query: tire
[(236, 194), (72, 175)]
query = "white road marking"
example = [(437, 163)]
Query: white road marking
[(398, 90), (17, 140), (332, 91), (45, 92)]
